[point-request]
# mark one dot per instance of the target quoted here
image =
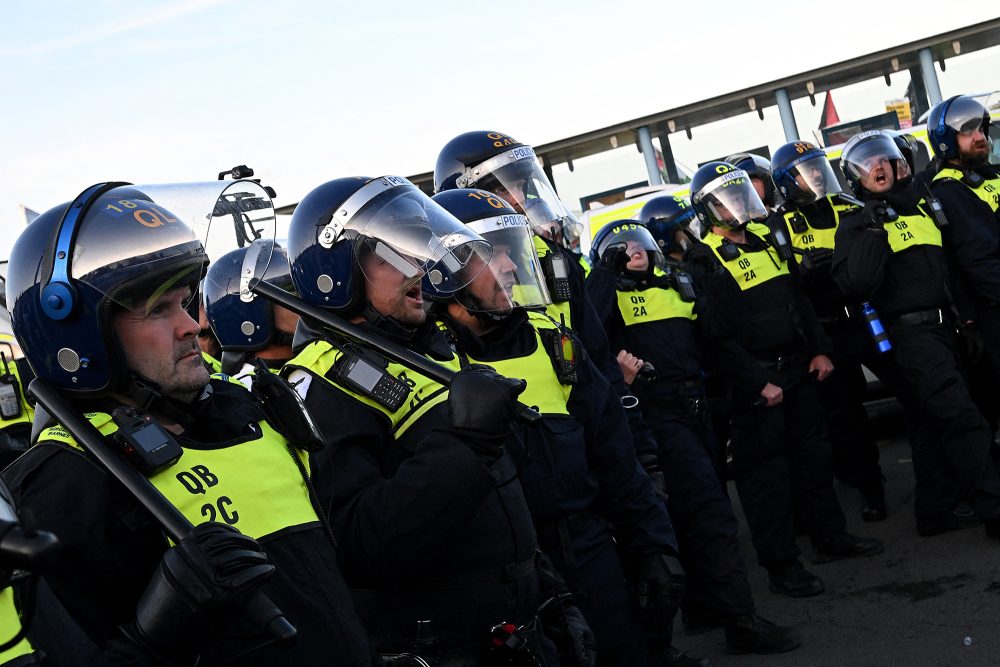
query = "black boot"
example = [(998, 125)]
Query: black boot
[(676, 658), (844, 545), (793, 580), (873, 503), (697, 620), (753, 634)]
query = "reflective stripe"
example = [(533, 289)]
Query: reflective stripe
[(912, 230), (652, 305), (253, 486), (989, 191), (750, 269), (319, 357)]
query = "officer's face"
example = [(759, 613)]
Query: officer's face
[(879, 177), (638, 258), (160, 341), (493, 289), (206, 339), (758, 185), (391, 293), (809, 177), (973, 147)]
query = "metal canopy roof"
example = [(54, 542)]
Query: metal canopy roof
[(897, 59)]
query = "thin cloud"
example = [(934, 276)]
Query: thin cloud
[(100, 32)]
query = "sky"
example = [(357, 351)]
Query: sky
[(304, 92)]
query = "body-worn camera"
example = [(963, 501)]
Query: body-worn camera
[(144, 443)]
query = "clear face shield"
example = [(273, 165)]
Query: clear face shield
[(967, 116), (515, 275), (210, 218), (731, 201), (405, 232), (642, 249), (814, 179), (519, 179), (874, 160)]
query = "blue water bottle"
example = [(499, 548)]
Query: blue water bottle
[(878, 333)]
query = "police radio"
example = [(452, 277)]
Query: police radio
[(564, 351), (779, 240), (556, 273), (144, 443), (937, 210), (10, 393), (682, 283), (369, 378)]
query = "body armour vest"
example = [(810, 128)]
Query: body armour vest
[(908, 231), (813, 237), (988, 190), (750, 269)]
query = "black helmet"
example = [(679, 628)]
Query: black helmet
[(515, 270), (862, 158), (952, 117), (242, 321), (758, 167), (802, 173), (665, 217), (112, 246), (388, 216), (500, 164), (723, 196), (631, 236)]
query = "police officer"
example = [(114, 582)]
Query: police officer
[(436, 537), (968, 189), (657, 310), (115, 299), (780, 447), (580, 471), (245, 325), (891, 253), (810, 215), (209, 344), (498, 163)]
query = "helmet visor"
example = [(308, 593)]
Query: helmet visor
[(519, 179), (235, 273), (966, 115), (515, 277), (731, 201), (872, 160), (814, 179), (635, 239), (404, 228)]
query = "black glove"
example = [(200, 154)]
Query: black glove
[(877, 213), (565, 625), (659, 587), (972, 341), (213, 565), (615, 258), (651, 464), (481, 406), (817, 258)]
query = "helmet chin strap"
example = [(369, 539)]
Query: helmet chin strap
[(148, 398), (475, 308), (387, 323)]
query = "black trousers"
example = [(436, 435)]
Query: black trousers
[(781, 462), (701, 512), (855, 453), (951, 445)]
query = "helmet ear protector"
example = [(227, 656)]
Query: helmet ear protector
[(942, 126), (58, 297)]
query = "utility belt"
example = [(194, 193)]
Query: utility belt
[(688, 394), (838, 316), (918, 317), (492, 577), (781, 360), (558, 535)]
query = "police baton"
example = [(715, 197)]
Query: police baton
[(401, 355), (261, 611), (791, 384)]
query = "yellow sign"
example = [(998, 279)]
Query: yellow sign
[(902, 109)]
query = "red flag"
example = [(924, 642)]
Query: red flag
[(830, 116)]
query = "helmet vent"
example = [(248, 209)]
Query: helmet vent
[(324, 283), (68, 360), (247, 328)]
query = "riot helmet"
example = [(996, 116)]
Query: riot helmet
[(909, 148), (802, 173), (639, 245), (515, 277), (241, 320), (956, 116), (354, 230), (113, 248), (500, 164), (723, 196), (759, 169), (668, 218), (871, 161)]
